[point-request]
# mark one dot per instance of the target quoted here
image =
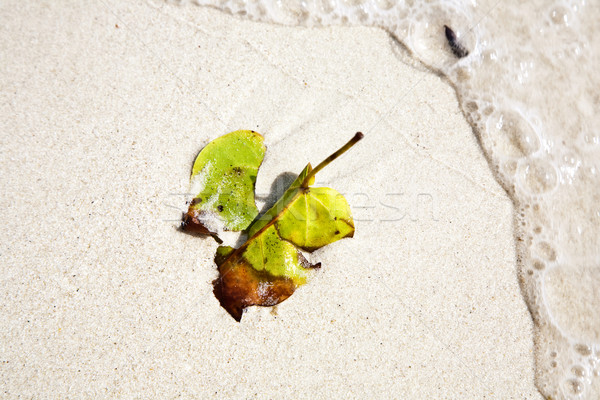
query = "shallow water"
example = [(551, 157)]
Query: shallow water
[(527, 87)]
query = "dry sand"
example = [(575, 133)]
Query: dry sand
[(104, 107)]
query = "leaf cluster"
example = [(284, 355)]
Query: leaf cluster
[(270, 265)]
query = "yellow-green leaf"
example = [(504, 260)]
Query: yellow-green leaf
[(222, 181), (308, 217)]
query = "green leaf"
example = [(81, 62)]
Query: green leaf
[(309, 218), (269, 266), (223, 179)]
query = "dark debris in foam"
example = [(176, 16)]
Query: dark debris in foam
[(457, 48)]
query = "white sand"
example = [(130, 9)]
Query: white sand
[(104, 108)]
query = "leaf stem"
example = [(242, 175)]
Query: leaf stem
[(332, 157)]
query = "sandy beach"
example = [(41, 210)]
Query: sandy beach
[(104, 107)]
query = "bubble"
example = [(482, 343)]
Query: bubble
[(512, 134), (537, 264), (324, 6), (509, 168), (574, 386), (583, 349), (578, 371), (489, 56), (428, 41), (570, 159), (293, 12), (591, 140), (471, 106), (385, 4), (559, 16), (546, 251), (361, 16), (537, 176)]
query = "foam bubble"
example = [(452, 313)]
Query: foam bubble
[(574, 386), (537, 175), (583, 349), (427, 38), (514, 136)]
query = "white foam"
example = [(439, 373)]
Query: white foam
[(529, 88)]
